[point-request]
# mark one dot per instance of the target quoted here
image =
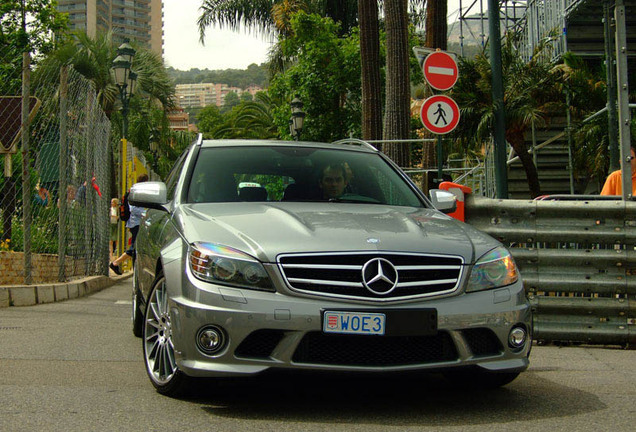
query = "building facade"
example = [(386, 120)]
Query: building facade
[(135, 20), (203, 94)]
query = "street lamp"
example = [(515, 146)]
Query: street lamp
[(125, 79), (154, 150), (297, 118)]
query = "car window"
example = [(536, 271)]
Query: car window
[(289, 173), (173, 176)]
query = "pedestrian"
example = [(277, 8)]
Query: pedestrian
[(132, 224), (114, 218), (614, 183)]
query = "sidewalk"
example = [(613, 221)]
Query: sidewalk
[(28, 295)]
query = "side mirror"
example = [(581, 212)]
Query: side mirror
[(443, 201), (152, 195)]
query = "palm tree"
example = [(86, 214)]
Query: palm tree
[(251, 119), (92, 57), (436, 24), (271, 17), (532, 92), (398, 86), (370, 70)]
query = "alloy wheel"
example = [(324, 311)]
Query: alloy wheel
[(158, 347)]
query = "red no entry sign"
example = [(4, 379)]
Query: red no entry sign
[(440, 114), (440, 70)]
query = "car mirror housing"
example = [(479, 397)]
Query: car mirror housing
[(443, 201), (152, 195)]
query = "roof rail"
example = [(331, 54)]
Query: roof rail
[(199, 139), (355, 141)]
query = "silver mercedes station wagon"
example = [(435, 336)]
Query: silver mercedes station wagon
[(267, 254)]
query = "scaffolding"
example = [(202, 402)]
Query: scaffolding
[(470, 20)]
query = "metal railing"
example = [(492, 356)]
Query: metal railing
[(577, 260)]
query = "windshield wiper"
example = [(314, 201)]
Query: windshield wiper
[(355, 199)]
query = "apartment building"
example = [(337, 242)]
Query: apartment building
[(203, 94), (179, 120), (135, 20)]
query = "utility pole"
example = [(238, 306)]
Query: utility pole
[(499, 133)]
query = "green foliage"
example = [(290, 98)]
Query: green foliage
[(531, 93), (44, 231), (209, 119), (43, 20), (93, 57), (325, 76), (231, 100), (242, 78)]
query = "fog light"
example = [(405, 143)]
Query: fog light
[(210, 339), (517, 337)]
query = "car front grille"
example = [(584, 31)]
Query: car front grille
[(343, 274), (374, 351)]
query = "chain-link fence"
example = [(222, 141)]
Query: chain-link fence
[(55, 189)]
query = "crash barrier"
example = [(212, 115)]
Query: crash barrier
[(577, 259)]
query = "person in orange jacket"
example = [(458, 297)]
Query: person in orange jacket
[(614, 183)]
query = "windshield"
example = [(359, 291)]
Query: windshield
[(291, 173)]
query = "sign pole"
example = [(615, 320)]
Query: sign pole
[(439, 113), (440, 162)]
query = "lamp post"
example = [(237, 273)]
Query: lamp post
[(125, 80), (154, 149), (297, 118)]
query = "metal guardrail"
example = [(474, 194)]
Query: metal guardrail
[(577, 260)]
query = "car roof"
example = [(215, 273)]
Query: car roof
[(347, 144)]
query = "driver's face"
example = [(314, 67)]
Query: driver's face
[(332, 183)]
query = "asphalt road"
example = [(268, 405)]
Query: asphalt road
[(76, 366)]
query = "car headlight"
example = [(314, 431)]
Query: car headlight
[(223, 265), (494, 269)]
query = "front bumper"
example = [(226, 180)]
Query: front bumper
[(276, 330)]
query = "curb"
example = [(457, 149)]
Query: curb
[(29, 295)]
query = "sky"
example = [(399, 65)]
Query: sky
[(223, 49)]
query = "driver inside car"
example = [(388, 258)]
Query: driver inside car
[(333, 181)]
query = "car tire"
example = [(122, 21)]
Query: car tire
[(137, 314), (158, 349), (477, 378)]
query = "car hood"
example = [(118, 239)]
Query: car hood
[(265, 230)]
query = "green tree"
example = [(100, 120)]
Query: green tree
[(209, 119), (93, 58), (272, 17), (154, 95), (532, 92), (325, 76), (230, 101), (26, 26), (587, 88), (398, 87), (246, 97), (370, 70)]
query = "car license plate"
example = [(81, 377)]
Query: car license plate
[(354, 323)]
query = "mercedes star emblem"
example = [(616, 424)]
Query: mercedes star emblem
[(379, 276)]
